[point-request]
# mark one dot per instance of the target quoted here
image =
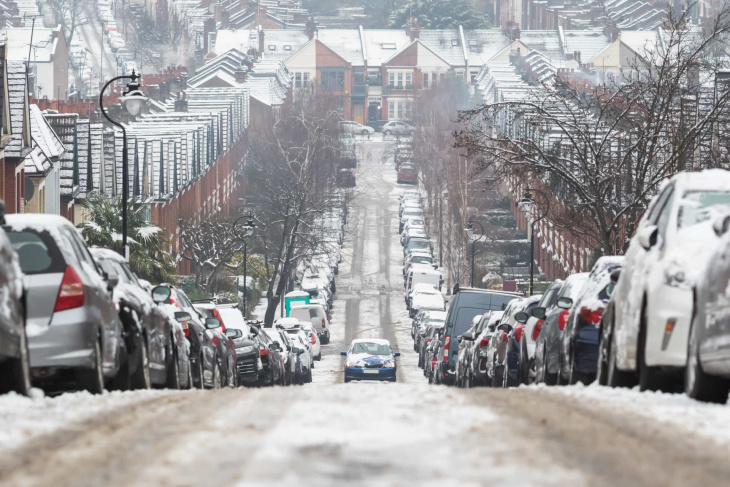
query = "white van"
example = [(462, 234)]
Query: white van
[(421, 274), (317, 315)]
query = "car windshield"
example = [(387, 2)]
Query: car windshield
[(421, 259), (418, 244), (699, 206), (371, 348)]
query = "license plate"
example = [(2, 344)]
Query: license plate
[(371, 371)]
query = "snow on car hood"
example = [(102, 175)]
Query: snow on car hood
[(690, 250), (361, 359)]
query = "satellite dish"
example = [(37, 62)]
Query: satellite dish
[(29, 189)]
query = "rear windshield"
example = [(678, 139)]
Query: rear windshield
[(418, 244), (37, 252), (471, 304)]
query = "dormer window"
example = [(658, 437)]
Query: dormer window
[(454, 42), (272, 47), (287, 47), (389, 45)]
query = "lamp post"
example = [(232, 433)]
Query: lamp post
[(470, 235), (132, 99), (527, 205), (248, 229)]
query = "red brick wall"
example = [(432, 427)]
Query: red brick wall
[(13, 187), (217, 188)]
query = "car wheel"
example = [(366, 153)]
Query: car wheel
[(614, 376), (15, 373), (347, 380), (92, 380), (189, 384), (602, 366), (497, 373), (387, 132), (325, 339), (141, 377), (650, 378), (699, 385), (309, 375), (542, 374), (318, 357), (200, 371), (364, 132), (173, 371), (121, 381)]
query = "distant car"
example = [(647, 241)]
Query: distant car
[(397, 128), (226, 355), (477, 374), (377, 125), (14, 356), (370, 359), (74, 332), (346, 178), (407, 174), (309, 330), (350, 127), (317, 315), (510, 363), (426, 297), (547, 352), (655, 296)]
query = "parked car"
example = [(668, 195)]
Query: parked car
[(528, 344), (407, 173), (203, 351), (463, 354), (432, 330), (579, 348), (547, 352), (274, 370), (288, 358), (510, 364), (465, 305), (315, 314), (654, 297), (226, 353), (308, 329), (350, 127), (397, 128), (370, 359), (14, 356), (346, 178), (477, 375), (248, 355), (417, 244), (74, 332), (426, 297), (497, 348), (152, 336)]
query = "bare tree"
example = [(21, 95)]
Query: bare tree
[(603, 153), (68, 13), (291, 170), (211, 246)]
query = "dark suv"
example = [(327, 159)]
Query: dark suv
[(465, 305)]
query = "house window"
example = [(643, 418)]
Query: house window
[(305, 79), (391, 110), (391, 79), (400, 109), (473, 75), (297, 80), (409, 80), (400, 79), (333, 80), (425, 80), (272, 47), (407, 115)]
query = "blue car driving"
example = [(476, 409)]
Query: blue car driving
[(370, 359)]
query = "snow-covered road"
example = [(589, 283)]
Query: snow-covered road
[(331, 434)]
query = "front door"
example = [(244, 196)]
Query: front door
[(357, 114)]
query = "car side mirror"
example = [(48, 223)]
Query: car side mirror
[(344, 354), (721, 225), (212, 323), (181, 316), (160, 294), (112, 282), (648, 236), (615, 275), (234, 333), (396, 354), (521, 317), (300, 351), (254, 331), (539, 313), (492, 327), (565, 303)]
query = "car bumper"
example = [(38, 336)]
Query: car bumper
[(247, 368), (357, 373), (669, 313), (67, 343), (585, 350)]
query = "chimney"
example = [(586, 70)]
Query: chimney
[(225, 18), (311, 28), (208, 27), (261, 41), (241, 74), (576, 56), (299, 17), (413, 31), (218, 12), (181, 105)]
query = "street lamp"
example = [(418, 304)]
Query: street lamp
[(132, 99), (469, 230), (528, 206), (247, 230)]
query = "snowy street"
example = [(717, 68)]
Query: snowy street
[(331, 434)]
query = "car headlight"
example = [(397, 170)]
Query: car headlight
[(389, 365), (247, 349), (351, 364)]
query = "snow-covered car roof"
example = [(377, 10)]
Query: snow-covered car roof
[(233, 318), (707, 179), (287, 322), (424, 288), (106, 254), (380, 341)]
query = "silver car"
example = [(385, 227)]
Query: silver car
[(74, 331), (397, 128)]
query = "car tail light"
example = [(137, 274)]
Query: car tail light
[(484, 343), (172, 301), (592, 316), (313, 337), (71, 294), (447, 342), (519, 332), (263, 352), (536, 330), (185, 327), (215, 340), (429, 340), (323, 323), (409, 284), (504, 337), (563, 319)]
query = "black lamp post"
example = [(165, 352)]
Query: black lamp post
[(470, 235), (527, 204), (132, 99), (247, 230)]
